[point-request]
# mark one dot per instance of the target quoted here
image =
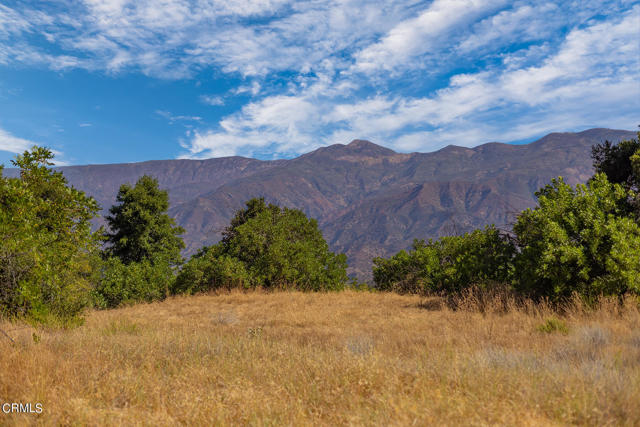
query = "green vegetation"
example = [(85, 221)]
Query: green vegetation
[(578, 240), (140, 227), (47, 249), (552, 325), (480, 258), (621, 164), (583, 239), (143, 247), (270, 247)]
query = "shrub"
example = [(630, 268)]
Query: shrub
[(621, 164), (578, 240), (450, 264), (209, 271), (121, 284), (553, 325), (282, 248)]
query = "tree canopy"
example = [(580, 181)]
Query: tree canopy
[(47, 249), (578, 240), (143, 247), (268, 246), (140, 228)]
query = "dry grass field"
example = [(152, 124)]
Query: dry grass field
[(352, 358)]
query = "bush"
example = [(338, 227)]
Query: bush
[(621, 164), (122, 284), (282, 248), (210, 270), (578, 240), (450, 264)]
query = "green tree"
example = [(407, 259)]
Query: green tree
[(268, 246), (140, 227), (616, 161), (47, 249), (621, 164), (143, 247), (578, 240), (449, 264)]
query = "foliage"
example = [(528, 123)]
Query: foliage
[(616, 161), (140, 227), (578, 240), (122, 284), (143, 247), (621, 164), (211, 270), (47, 248), (449, 264), (268, 246)]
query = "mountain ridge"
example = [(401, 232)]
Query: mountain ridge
[(369, 200)]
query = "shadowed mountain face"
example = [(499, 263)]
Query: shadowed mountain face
[(369, 200)]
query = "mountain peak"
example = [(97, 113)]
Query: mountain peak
[(363, 146)]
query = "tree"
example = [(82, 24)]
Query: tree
[(143, 247), (140, 227), (621, 164), (616, 162), (578, 240), (47, 249), (268, 246)]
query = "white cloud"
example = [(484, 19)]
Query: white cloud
[(214, 100), (522, 23), (253, 88), (417, 36), (13, 144), (173, 118), (413, 75), (590, 79)]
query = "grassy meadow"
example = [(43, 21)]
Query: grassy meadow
[(350, 358)]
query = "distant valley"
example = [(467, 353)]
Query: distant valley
[(369, 200)]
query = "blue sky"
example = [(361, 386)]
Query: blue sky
[(103, 81)]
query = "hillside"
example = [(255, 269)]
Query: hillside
[(369, 200)]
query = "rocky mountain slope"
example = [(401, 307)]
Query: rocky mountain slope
[(369, 200)]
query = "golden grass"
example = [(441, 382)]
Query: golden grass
[(327, 359)]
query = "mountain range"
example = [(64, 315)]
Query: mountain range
[(369, 200)]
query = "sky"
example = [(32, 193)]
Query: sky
[(110, 81)]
